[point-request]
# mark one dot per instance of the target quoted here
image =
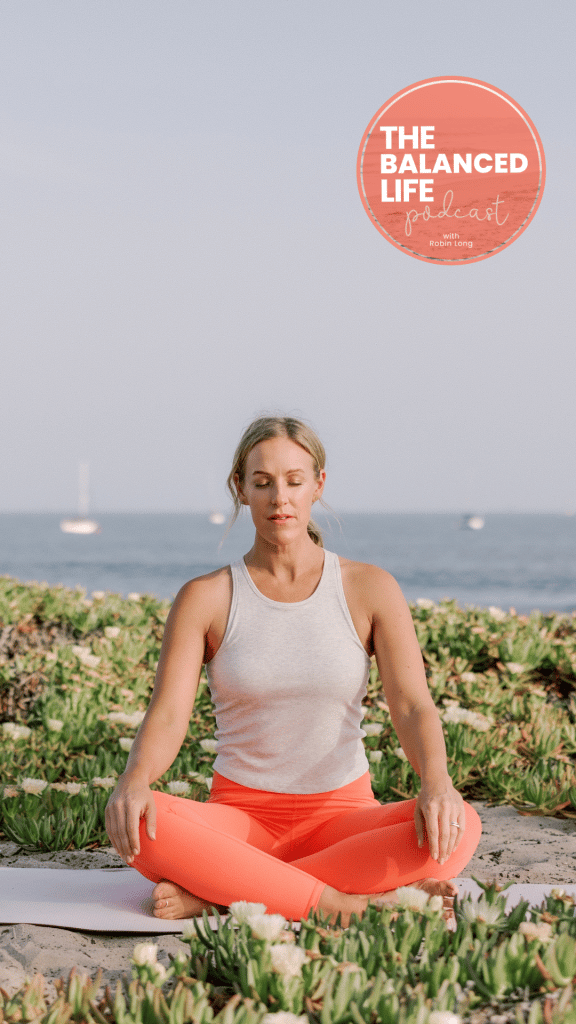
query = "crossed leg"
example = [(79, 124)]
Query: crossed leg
[(220, 854)]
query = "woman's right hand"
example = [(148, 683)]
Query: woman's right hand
[(131, 800)]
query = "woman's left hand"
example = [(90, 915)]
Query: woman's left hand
[(438, 807)]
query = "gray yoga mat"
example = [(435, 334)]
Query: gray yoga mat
[(119, 900)]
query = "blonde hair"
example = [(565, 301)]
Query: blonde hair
[(264, 429)]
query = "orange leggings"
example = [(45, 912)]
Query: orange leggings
[(281, 849)]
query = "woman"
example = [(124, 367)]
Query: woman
[(286, 635)]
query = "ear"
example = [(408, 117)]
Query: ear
[(242, 497), (320, 485)]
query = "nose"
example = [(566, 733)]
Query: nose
[(278, 496)]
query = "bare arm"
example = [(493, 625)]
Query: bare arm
[(414, 715), (164, 727)]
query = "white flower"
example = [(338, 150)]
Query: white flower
[(10, 791), (15, 731), (241, 910), (133, 596), (266, 926), (435, 904), (111, 632), (125, 742), (400, 753), (98, 595), (557, 893), (51, 656), (54, 724), (189, 929), (464, 716), (179, 788), (73, 788), (514, 668), (531, 930), (208, 782), (468, 677), (133, 720), (35, 786), (481, 911), (444, 1017), (375, 756), (288, 960), (425, 602), (209, 746), (107, 783), (411, 898), (144, 953), (283, 1017), (497, 613), (372, 728), (85, 656)]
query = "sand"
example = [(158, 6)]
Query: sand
[(513, 848)]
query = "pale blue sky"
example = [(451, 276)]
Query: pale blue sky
[(183, 246)]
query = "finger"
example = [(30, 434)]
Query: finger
[(433, 832), (419, 825), (151, 819), (133, 829), (446, 835)]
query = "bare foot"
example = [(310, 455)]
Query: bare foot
[(172, 903), (446, 889)]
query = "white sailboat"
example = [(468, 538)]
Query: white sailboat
[(81, 523)]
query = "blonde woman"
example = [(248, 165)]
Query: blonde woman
[(286, 635)]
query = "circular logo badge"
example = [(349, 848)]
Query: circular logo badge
[(451, 170)]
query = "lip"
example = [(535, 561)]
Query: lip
[(279, 519)]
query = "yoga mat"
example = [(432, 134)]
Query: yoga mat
[(119, 900)]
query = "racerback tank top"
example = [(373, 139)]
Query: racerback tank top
[(287, 684)]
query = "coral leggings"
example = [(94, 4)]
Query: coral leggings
[(282, 849)]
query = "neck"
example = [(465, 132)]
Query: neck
[(294, 559)]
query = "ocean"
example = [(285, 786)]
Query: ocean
[(522, 561)]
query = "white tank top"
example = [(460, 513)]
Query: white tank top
[(287, 684)]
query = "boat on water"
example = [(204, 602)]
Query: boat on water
[(472, 522), (81, 523)]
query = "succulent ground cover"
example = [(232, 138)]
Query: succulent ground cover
[(75, 678)]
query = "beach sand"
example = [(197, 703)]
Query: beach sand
[(513, 848)]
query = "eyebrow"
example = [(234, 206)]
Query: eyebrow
[(262, 472)]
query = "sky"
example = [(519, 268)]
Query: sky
[(183, 247)]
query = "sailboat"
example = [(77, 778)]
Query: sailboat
[(81, 523)]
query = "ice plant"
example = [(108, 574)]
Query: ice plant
[(400, 753), (34, 786), (74, 788), (241, 910), (85, 656), (531, 930), (54, 724), (178, 788), (106, 783), (372, 728), (288, 960), (145, 953), (411, 898), (375, 756), (266, 926), (209, 746), (125, 743), (15, 731), (133, 720), (111, 632)]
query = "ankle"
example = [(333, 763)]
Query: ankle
[(332, 902)]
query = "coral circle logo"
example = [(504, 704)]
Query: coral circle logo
[(451, 170)]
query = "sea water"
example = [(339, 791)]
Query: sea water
[(524, 561)]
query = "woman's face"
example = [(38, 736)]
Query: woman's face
[(280, 486)]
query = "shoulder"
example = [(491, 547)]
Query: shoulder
[(206, 594), (374, 583)]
